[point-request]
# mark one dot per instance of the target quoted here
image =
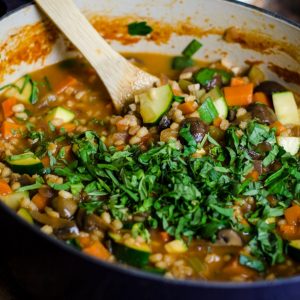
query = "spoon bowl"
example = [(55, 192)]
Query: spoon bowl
[(122, 79)]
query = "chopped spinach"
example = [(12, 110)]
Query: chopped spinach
[(139, 28)]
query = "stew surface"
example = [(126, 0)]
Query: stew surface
[(198, 178)]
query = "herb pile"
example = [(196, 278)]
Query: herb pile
[(185, 196)]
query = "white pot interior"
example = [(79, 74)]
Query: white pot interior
[(207, 15)]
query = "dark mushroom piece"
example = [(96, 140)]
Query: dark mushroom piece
[(66, 233), (92, 222), (164, 123), (258, 166), (231, 115), (269, 87), (262, 113), (55, 223), (198, 129), (26, 180), (215, 82), (263, 147), (229, 237), (65, 207)]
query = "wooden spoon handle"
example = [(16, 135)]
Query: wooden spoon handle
[(109, 64), (76, 27)]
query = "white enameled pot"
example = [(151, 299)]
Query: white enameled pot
[(47, 268)]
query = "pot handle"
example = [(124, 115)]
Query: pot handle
[(10, 5)]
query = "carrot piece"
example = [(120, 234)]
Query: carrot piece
[(67, 82), (239, 95), (120, 147), (217, 121), (40, 201), (289, 232), (4, 188), (253, 175), (84, 241), (279, 127), (97, 250), (234, 268), (187, 107), (177, 92), (165, 236), (292, 215), (68, 127), (10, 129), (46, 161), (7, 106), (261, 97), (236, 81)]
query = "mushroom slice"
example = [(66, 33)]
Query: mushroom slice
[(229, 237)]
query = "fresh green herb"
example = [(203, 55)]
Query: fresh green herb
[(73, 243), (138, 229), (187, 136), (51, 127), (206, 75), (139, 28), (178, 99), (52, 158), (58, 186), (48, 84), (62, 153), (35, 92), (191, 48), (208, 111), (38, 183), (91, 206), (181, 62), (252, 263), (21, 156), (185, 196)]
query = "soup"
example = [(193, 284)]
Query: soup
[(195, 179)]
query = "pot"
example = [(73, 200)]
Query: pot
[(49, 269)]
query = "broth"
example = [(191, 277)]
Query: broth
[(74, 85)]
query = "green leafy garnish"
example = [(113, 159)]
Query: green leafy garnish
[(181, 62), (139, 28), (252, 263), (191, 48), (208, 111), (185, 196)]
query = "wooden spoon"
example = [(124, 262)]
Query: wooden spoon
[(121, 78)]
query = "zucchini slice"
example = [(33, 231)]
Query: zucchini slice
[(24, 214), (207, 111), (294, 249), (26, 163), (131, 254), (286, 108), (205, 75), (60, 113), (289, 144), (22, 90), (154, 103), (219, 101), (176, 247), (13, 200)]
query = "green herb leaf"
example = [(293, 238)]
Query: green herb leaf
[(139, 28), (208, 111), (252, 263), (191, 48), (182, 62)]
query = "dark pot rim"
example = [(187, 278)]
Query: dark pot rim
[(146, 275)]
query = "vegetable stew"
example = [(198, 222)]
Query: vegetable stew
[(196, 179)]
